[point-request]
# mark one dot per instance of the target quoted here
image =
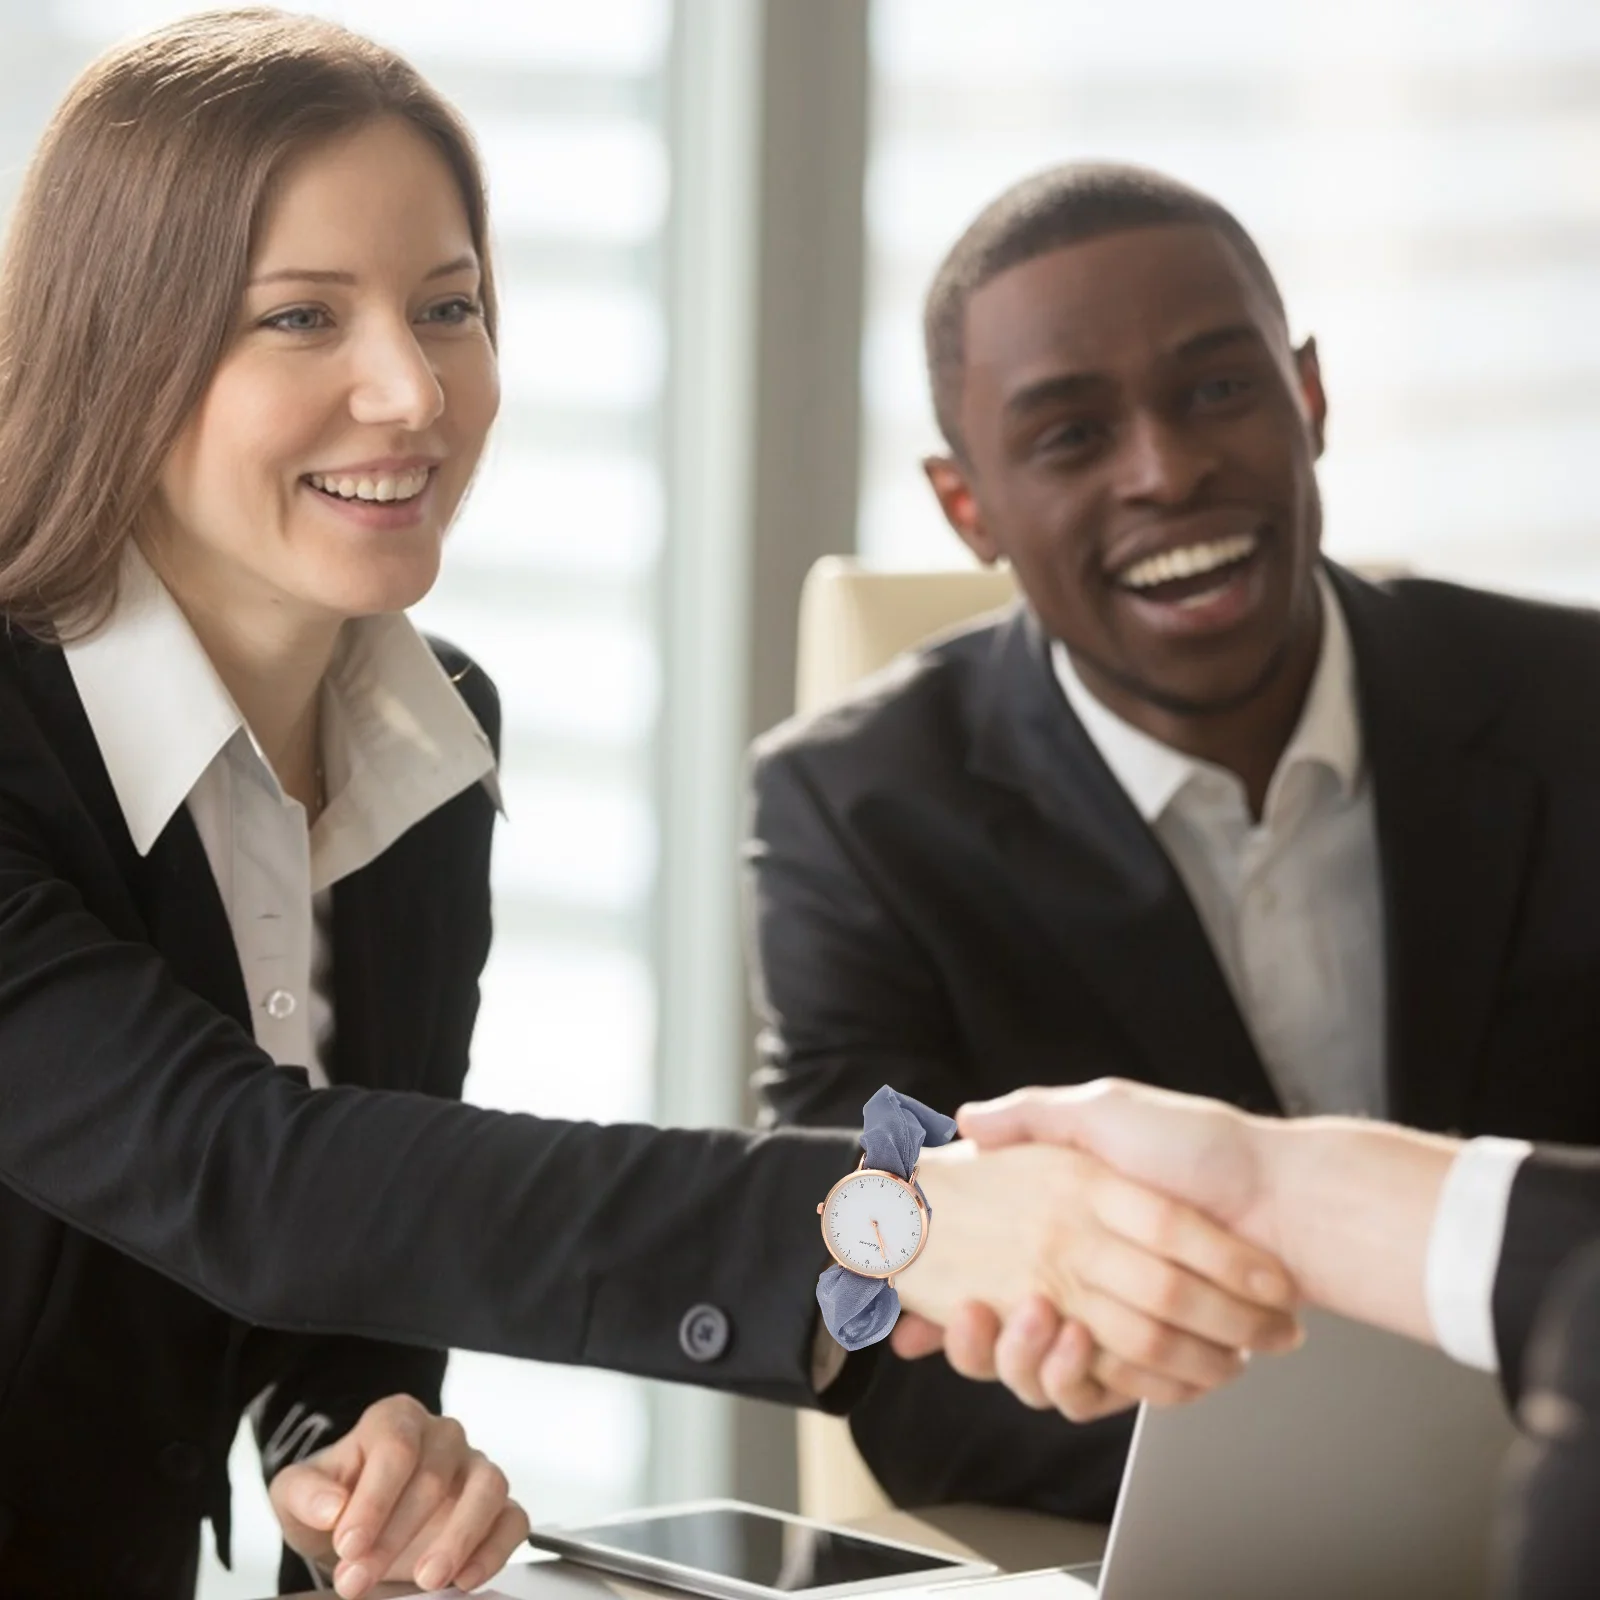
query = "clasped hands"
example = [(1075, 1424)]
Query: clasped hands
[(1098, 1246), (402, 1496)]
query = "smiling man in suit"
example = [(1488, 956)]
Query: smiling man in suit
[(1206, 810)]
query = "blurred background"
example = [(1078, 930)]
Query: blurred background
[(715, 221)]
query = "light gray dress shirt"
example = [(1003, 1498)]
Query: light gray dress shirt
[(1292, 904), (1293, 908), (397, 740)]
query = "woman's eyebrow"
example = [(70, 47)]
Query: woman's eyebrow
[(466, 263)]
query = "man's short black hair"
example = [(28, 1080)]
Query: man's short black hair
[(1061, 206)]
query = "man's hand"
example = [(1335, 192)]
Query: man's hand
[(1347, 1206), (1200, 1151), (403, 1497), (1162, 1299)]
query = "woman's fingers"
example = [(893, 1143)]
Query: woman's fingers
[(470, 1520), (969, 1340), (509, 1530), (915, 1337), (388, 1443), (1027, 1337), (1051, 1363), (437, 1483)]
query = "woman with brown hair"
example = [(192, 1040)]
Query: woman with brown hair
[(246, 373), (160, 562)]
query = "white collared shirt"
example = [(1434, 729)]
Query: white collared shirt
[(1293, 909), (397, 743), (1292, 905)]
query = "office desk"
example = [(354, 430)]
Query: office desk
[(1014, 1541)]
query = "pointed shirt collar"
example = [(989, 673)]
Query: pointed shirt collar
[(1153, 774), (398, 739)]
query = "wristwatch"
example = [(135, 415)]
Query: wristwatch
[(875, 1220)]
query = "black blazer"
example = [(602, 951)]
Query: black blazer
[(182, 1224), (1549, 1539), (950, 893), (1554, 1213)]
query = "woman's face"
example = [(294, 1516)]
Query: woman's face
[(341, 429)]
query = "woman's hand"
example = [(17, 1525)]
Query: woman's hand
[(1159, 1300), (403, 1497), (1049, 1362)]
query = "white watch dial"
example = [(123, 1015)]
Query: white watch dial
[(873, 1224)]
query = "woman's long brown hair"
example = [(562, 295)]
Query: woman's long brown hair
[(127, 259)]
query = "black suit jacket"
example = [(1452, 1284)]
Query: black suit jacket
[(1554, 1213), (952, 894), (182, 1224), (1547, 1324)]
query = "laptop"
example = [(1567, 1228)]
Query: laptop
[(1364, 1466)]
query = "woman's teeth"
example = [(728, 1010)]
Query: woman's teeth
[(377, 486), (1188, 561)]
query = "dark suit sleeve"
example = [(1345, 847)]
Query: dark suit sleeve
[(1549, 1536), (847, 1002), (137, 1113), (1554, 1212)]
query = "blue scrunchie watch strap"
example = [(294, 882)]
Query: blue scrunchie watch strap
[(860, 1311)]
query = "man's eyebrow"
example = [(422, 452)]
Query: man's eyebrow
[(1068, 386), (1202, 344), (1050, 391), (466, 263)]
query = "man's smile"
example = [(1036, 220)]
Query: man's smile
[(1197, 579)]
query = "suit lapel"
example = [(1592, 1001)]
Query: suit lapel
[(173, 889), (358, 1002), (381, 963), (187, 922), (1101, 882), (1454, 832)]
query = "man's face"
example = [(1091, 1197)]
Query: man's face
[(1139, 440)]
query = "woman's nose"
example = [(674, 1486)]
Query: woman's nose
[(395, 383)]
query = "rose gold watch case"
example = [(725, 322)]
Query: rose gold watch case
[(862, 1169)]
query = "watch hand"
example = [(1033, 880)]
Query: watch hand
[(879, 1231)]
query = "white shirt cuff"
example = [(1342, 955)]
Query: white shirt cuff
[(1464, 1249)]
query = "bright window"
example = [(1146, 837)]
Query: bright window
[(1420, 177)]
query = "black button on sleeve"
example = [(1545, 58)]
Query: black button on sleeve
[(704, 1332)]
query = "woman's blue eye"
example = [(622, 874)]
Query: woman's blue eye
[(298, 319), (454, 311)]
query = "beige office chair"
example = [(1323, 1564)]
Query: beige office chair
[(852, 622)]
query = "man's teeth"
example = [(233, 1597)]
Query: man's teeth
[(379, 486), (1189, 561)]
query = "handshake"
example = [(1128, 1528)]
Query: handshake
[(1098, 1246)]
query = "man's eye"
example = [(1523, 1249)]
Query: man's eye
[(298, 319), (1068, 436), (1217, 389)]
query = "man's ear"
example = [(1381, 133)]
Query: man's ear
[(953, 489), (1312, 395)]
